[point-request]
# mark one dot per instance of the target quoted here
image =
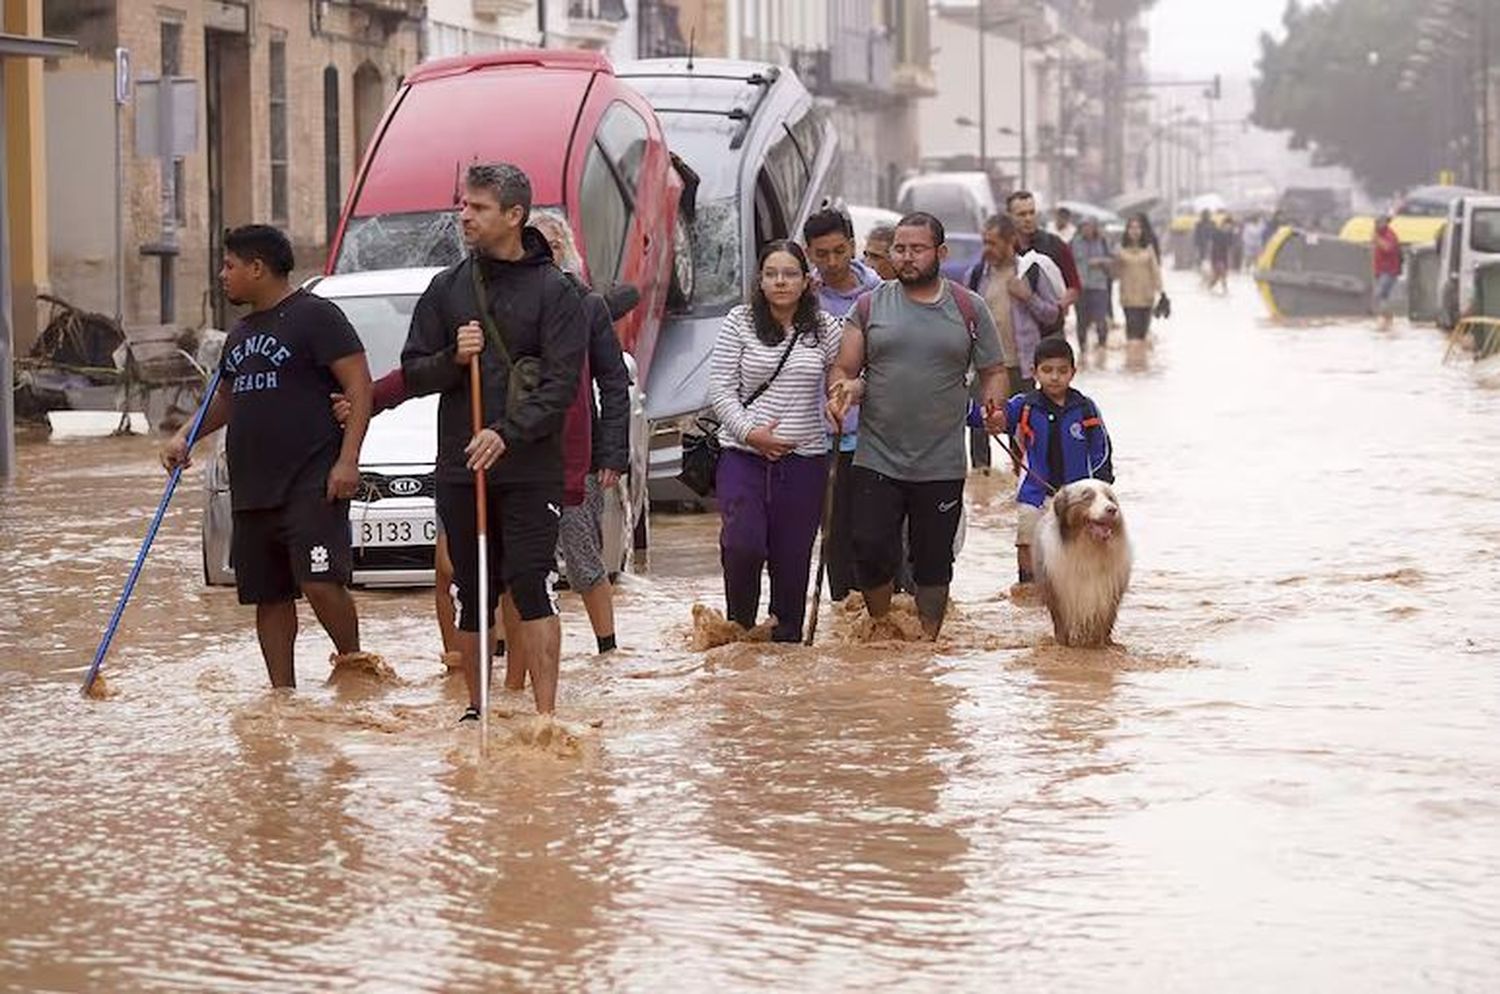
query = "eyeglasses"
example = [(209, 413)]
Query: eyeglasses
[(876, 255)]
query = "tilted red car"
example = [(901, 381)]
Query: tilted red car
[(591, 145)]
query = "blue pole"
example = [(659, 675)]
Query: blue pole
[(140, 559)]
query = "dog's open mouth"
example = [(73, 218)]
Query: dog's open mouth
[(1101, 531)]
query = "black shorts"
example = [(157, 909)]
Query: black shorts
[(1137, 322), (274, 551), (930, 510), (523, 523)]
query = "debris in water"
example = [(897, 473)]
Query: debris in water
[(711, 629), (361, 664), (100, 690)]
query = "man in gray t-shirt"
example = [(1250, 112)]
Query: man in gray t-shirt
[(906, 354)]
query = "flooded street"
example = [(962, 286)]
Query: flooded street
[(1288, 777)]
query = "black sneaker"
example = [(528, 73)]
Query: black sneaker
[(470, 714)]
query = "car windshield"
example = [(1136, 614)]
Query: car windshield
[(382, 323), (695, 119), (694, 113), (948, 203), (403, 241)]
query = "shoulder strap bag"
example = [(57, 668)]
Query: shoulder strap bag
[(524, 373), (701, 448)]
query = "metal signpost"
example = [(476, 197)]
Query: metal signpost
[(166, 126)]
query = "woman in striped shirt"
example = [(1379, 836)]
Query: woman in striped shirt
[(767, 384)]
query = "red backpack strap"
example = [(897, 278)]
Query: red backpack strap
[(965, 304)]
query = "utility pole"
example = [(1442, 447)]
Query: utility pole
[(984, 123), (1021, 51)]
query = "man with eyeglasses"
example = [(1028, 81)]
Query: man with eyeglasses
[(905, 357)]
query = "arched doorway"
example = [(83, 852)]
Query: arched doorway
[(369, 103)]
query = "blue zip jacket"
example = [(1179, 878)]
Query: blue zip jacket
[(1059, 445)]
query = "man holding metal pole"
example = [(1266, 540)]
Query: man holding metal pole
[(292, 470), (508, 305)]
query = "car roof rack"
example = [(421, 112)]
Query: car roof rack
[(763, 81)]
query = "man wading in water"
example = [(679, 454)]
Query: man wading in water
[(906, 352), (537, 315), (291, 471)]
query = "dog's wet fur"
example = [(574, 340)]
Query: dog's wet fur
[(1083, 558)]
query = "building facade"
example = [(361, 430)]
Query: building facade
[(868, 62), (284, 99)]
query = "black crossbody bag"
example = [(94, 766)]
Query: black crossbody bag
[(701, 448), (524, 373)]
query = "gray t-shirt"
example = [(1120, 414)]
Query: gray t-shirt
[(916, 398)]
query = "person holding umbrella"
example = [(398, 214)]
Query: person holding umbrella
[(510, 308)]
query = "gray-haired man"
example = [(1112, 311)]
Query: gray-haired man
[(537, 313)]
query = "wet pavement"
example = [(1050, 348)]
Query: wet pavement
[(1287, 776)]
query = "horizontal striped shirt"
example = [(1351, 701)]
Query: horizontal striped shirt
[(742, 362)]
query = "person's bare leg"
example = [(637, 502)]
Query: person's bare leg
[(541, 646), (276, 626), (468, 645), (600, 605), (334, 606), (442, 595), (932, 607), (517, 662), (878, 600)]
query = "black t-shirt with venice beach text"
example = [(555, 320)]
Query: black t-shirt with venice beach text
[(282, 432)]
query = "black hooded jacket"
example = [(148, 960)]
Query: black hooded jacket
[(539, 313)]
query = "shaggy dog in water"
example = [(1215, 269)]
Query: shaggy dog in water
[(1083, 562)]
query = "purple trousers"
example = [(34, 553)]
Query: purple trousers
[(770, 513)]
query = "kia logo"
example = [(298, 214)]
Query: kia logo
[(405, 486)]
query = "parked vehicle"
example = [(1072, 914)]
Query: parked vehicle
[(962, 201), (1431, 201), (763, 154), (1470, 243), (392, 520), (1111, 225), (592, 146), (1315, 208)]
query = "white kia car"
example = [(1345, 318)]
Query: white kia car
[(391, 520)]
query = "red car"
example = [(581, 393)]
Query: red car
[(591, 145)]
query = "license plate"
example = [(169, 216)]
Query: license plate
[(395, 531)]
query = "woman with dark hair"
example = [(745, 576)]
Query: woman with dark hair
[(767, 386), (1140, 279)]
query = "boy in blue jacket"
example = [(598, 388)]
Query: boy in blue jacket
[(1061, 437)]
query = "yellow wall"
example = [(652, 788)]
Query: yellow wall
[(26, 176)]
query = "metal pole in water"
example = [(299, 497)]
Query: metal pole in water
[(482, 514), (140, 559)]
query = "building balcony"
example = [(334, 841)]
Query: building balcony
[(594, 23), (911, 80), (410, 10), (490, 9)]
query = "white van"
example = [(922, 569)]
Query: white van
[(1471, 239)]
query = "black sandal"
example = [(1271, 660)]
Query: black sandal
[(470, 714)]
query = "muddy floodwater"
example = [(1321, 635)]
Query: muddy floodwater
[(1286, 778)]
